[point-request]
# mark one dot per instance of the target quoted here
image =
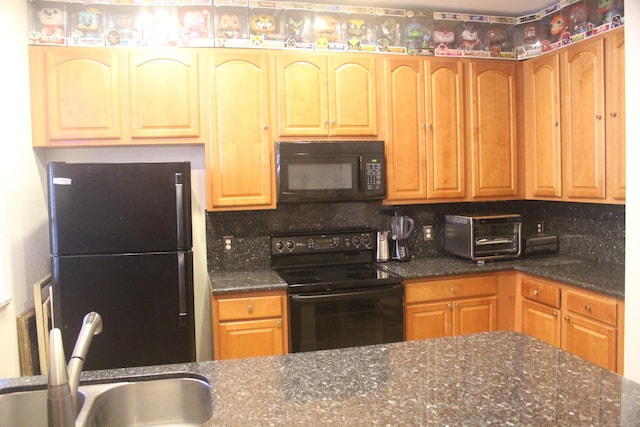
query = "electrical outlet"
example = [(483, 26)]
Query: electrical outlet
[(227, 241), (427, 232), (540, 227)]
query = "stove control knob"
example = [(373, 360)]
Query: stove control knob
[(279, 245), (356, 240), (366, 241), (290, 245)]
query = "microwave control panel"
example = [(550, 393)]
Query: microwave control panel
[(374, 172)]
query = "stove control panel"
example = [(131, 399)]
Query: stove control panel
[(299, 243)]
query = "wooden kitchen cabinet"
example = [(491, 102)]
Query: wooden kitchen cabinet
[(425, 142), (446, 307), (584, 323), (249, 324), (542, 126), (240, 165), (492, 123), (323, 95), (87, 96), (615, 117)]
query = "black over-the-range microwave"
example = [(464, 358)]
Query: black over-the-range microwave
[(330, 171)]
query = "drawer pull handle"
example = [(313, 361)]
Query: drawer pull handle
[(587, 307), (250, 308), (536, 292), (453, 290)]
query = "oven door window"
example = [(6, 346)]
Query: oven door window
[(346, 319)]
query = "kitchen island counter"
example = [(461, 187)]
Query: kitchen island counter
[(499, 378), (605, 278)]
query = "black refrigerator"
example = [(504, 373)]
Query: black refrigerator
[(121, 245)]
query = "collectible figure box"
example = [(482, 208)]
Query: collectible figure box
[(85, 25), (361, 29), (195, 26), (231, 23), (298, 25), (124, 26), (266, 23), (47, 24), (160, 26), (328, 27), (390, 31), (418, 29)]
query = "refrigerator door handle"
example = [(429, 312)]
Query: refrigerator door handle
[(179, 210), (182, 296)]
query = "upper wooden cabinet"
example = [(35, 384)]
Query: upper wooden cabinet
[(542, 135), (583, 112), (320, 95), (574, 122), (492, 128), (425, 129), (240, 162), (85, 96)]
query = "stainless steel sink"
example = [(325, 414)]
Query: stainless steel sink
[(179, 401), (27, 408)]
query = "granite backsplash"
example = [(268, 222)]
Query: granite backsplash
[(591, 231)]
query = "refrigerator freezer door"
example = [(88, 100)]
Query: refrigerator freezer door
[(105, 208), (147, 315)]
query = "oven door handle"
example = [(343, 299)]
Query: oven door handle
[(337, 296)]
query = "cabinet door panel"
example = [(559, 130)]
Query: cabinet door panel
[(406, 150), (493, 129), (251, 339), (583, 120), (542, 123), (474, 315), (352, 95), (445, 129), (164, 90), (82, 92), (302, 95), (432, 320), (541, 321), (240, 166), (591, 341), (616, 117)]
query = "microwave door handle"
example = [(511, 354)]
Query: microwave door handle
[(361, 173)]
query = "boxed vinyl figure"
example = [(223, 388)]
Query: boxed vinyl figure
[(390, 31), (124, 26), (160, 26), (361, 28), (195, 26), (418, 30), (231, 23), (298, 25), (85, 26), (47, 23), (265, 23), (328, 25), (443, 37)]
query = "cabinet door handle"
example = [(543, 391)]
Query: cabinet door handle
[(279, 324), (613, 114), (449, 305), (555, 123), (554, 314), (567, 318), (250, 308), (326, 123), (587, 307), (265, 127), (598, 117)]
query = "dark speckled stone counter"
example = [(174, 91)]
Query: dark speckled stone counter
[(604, 278), (498, 378)]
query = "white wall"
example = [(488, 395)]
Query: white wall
[(24, 244), (632, 280)]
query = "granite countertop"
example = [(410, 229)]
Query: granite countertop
[(499, 378), (604, 278)]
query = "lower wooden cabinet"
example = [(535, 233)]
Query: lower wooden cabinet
[(584, 323), (446, 307), (249, 324)]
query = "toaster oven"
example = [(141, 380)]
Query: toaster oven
[(483, 236)]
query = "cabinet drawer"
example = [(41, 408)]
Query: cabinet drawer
[(541, 292), (450, 288), (592, 306), (249, 307)]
